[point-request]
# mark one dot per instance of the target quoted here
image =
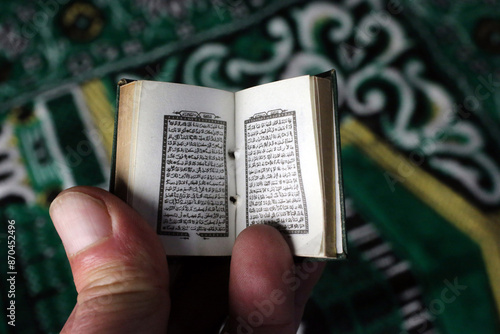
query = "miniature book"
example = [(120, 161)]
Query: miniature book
[(202, 164)]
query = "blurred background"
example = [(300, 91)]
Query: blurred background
[(419, 85)]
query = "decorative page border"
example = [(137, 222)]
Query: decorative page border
[(276, 113), (193, 116)]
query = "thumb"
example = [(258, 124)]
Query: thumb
[(118, 264)]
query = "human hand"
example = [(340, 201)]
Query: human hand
[(122, 277)]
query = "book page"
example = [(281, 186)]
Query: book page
[(278, 174), (183, 175), (325, 121)]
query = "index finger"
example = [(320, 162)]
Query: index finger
[(265, 293)]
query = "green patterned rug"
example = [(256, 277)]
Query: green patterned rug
[(419, 87)]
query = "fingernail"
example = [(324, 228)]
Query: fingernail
[(80, 220)]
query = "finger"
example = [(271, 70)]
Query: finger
[(306, 274), (260, 301), (118, 264)]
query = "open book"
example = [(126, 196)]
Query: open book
[(202, 164)]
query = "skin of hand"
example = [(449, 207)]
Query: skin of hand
[(125, 285)]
